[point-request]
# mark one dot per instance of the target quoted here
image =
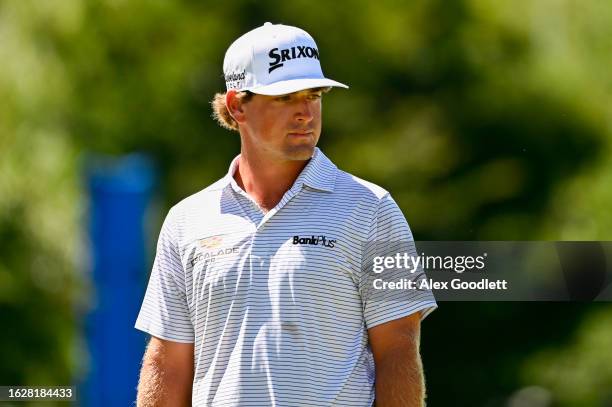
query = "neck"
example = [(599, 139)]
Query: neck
[(264, 179)]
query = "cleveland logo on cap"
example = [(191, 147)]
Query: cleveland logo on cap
[(280, 56)]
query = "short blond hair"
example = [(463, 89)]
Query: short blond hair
[(221, 113)]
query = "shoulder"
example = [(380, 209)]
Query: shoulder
[(202, 203), (210, 195), (346, 184), (352, 185), (376, 200)]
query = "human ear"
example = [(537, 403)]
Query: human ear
[(234, 105)]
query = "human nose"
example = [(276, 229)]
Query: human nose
[(304, 114)]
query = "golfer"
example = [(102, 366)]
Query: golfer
[(261, 292)]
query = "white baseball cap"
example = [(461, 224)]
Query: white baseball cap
[(274, 59)]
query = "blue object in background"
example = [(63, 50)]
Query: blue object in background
[(120, 191)]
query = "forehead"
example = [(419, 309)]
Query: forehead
[(307, 91), (304, 92)]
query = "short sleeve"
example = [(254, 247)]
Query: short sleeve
[(390, 238), (165, 312)]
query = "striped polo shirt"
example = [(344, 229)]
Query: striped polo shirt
[(278, 303)]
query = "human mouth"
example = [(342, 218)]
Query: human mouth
[(300, 133)]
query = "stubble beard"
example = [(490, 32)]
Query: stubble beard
[(300, 152)]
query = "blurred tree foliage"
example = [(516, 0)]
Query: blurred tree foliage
[(486, 120), (579, 373)]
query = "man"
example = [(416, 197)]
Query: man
[(261, 293)]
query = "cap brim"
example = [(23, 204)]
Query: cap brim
[(294, 85)]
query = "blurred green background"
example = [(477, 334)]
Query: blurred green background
[(486, 119)]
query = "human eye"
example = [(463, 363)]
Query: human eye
[(314, 96), (283, 98)]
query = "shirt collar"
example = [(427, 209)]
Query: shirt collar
[(319, 173)]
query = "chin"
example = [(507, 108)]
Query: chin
[(300, 153)]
